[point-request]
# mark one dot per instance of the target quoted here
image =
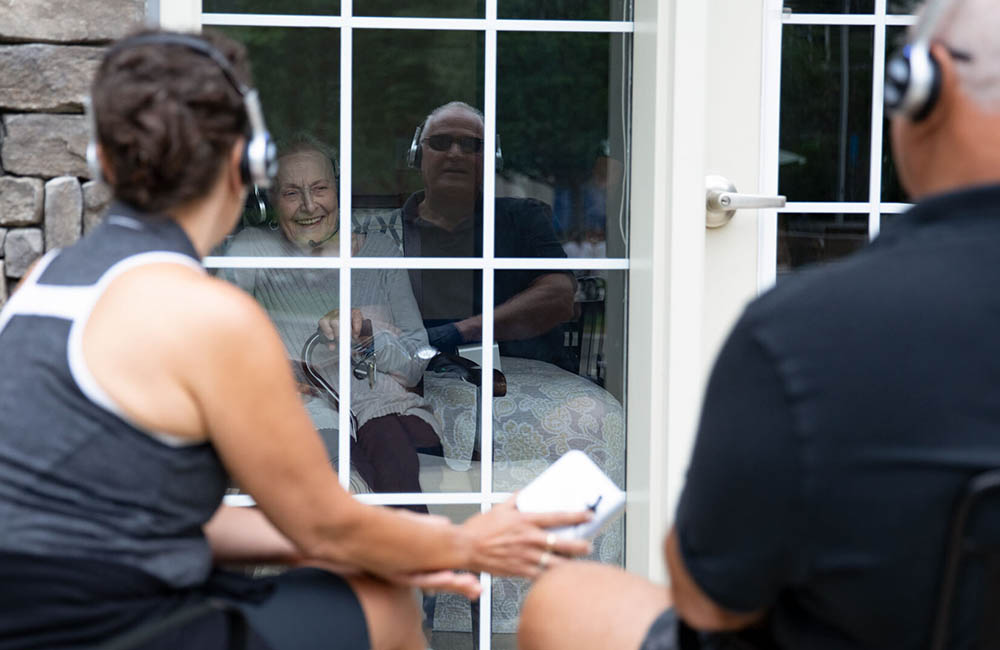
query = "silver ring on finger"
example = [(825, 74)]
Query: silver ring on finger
[(543, 562), (550, 542)]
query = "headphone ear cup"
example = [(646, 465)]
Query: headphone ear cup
[(245, 173), (415, 153), (257, 211), (912, 84), (933, 92)]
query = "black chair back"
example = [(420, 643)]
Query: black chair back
[(972, 567)]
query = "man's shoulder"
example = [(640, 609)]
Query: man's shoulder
[(834, 291), (518, 208)]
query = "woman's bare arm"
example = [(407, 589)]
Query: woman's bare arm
[(237, 372)]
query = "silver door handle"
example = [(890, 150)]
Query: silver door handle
[(722, 201)]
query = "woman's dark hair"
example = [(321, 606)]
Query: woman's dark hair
[(167, 116)]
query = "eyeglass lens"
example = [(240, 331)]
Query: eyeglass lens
[(466, 143)]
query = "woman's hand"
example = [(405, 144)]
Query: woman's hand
[(329, 326), (506, 541)]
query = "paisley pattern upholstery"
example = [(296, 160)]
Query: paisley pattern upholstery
[(547, 411)]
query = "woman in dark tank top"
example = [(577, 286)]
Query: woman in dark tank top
[(138, 383)]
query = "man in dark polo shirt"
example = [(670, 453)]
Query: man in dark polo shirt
[(445, 220), (845, 414)]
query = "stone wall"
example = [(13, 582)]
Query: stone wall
[(49, 50)]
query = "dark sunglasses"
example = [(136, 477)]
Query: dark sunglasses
[(443, 142)]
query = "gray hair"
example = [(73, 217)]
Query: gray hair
[(302, 142), (971, 26), (455, 104)]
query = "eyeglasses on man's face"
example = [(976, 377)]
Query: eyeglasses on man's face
[(444, 141)]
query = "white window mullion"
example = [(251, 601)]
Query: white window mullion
[(767, 221), (878, 135), (489, 231), (436, 24), (344, 350)]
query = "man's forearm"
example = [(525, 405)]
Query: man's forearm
[(547, 302)]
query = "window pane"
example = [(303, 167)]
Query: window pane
[(565, 380), (450, 620), (421, 8), (904, 6), (826, 99), (562, 107), (830, 6), (299, 92), (308, 7), (805, 239), (423, 69), (419, 417), (565, 9)]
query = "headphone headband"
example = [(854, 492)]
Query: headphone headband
[(258, 164)]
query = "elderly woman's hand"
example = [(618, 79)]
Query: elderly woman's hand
[(506, 541), (329, 326)]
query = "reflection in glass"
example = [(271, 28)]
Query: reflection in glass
[(830, 6), (399, 77), (297, 71), (826, 97), (805, 239), (904, 6), (306, 7), (450, 620), (562, 106), (565, 9), (551, 407), (421, 8), (887, 219)]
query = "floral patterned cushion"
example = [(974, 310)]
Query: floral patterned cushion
[(547, 411)]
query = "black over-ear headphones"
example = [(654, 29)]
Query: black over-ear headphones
[(258, 164), (912, 76), (416, 153)]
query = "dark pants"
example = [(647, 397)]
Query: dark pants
[(385, 453)]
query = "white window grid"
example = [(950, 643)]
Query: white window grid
[(491, 25), (880, 20)]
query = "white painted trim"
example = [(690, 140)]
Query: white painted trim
[(499, 263), (877, 136), (767, 225), (440, 24), (830, 207), (485, 603), (846, 19), (401, 499), (180, 15), (345, 201)]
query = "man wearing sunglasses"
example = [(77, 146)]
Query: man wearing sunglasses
[(445, 219)]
